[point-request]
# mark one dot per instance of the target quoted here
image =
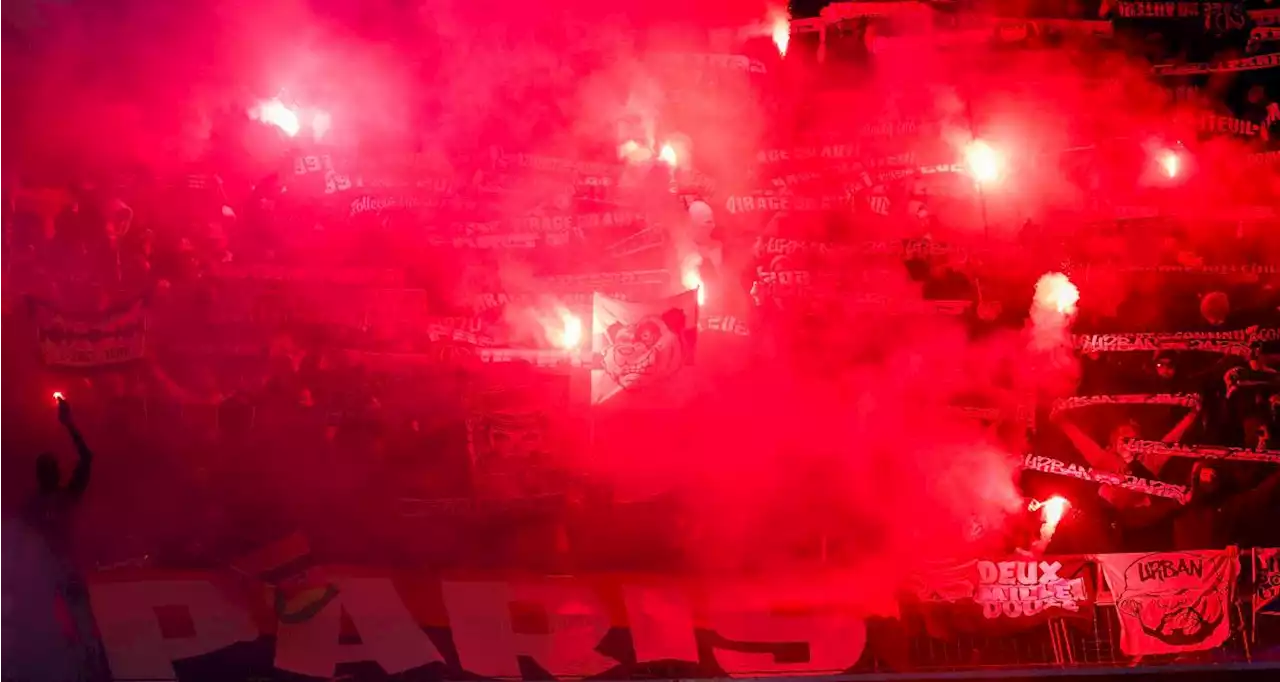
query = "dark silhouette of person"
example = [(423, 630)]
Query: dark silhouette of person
[(50, 513)]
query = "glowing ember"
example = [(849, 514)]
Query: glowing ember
[(1051, 512), (571, 336), (274, 112), (983, 162), (781, 30), (1054, 291), (1170, 163), (667, 155)]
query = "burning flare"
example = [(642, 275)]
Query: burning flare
[(667, 155), (274, 112), (1055, 292), (1051, 512), (634, 152), (570, 336), (690, 278), (984, 163), (780, 29), (1170, 163)]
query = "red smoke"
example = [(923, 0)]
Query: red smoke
[(848, 432)]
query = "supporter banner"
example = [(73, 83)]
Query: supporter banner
[(91, 341), (645, 240), (1048, 465), (767, 203), (916, 11), (1172, 602), (997, 31), (1195, 269), (549, 228), (1190, 400), (1216, 16), (1143, 449), (1266, 580), (451, 345), (572, 299), (1264, 61), (699, 63), (1227, 343), (1229, 125), (578, 290), (643, 347), (313, 275), (724, 324), (899, 249), (199, 626), (1014, 593), (511, 436), (556, 164), (315, 174), (448, 352), (405, 200), (606, 280), (829, 151)]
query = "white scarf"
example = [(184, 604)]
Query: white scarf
[(1144, 449), (1146, 486), (1184, 399)]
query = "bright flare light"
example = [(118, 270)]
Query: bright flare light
[(1054, 291), (984, 163), (57, 396), (634, 152), (1051, 512), (667, 155), (1170, 163), (780, 30), (690, 278), (571, 336), (274, 112)]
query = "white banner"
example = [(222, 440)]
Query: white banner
[(1172, 602), (106, 339)]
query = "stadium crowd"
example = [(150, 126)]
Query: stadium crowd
[(284, 428)]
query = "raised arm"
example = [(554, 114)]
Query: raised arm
[(1156, 462), (1094, 454), (1180, 429), (80, 476)]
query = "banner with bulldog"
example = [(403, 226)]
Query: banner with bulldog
[(1172, 602), (643, 349)]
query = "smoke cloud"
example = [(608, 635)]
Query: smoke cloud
[(844, 424)]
